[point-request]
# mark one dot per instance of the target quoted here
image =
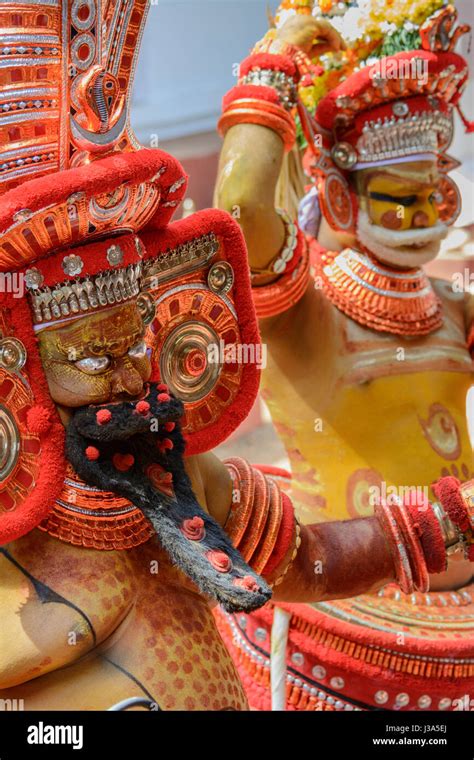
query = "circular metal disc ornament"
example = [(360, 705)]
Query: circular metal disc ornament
[(344, 155), (12, 354), (195, 340), (448, 200), (19, 448), (221, 277), (9, 443), (190, 362), (400, 109), (336, 202), (146, 307)]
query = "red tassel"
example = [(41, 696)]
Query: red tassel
[(468, 125)]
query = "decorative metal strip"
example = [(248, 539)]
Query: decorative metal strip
[(51, 3), (389, 293), (33, 169), (196, 286), (47, 39), (354, 619), (183, 259), (354, 255), (27, 150), (96, 512), (21, 116), (28, 92), (22, 62)]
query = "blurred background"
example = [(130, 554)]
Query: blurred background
[(188, 61)]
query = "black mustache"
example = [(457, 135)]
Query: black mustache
[(114, 448), (126, 420)]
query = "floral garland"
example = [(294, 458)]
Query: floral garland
[(372, 29)]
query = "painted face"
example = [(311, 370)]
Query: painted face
[(403, 197), (97, 358), (398, 218)]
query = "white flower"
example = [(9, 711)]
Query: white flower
[(353, 24), (283, 16)]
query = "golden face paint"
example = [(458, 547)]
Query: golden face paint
[(97, 358), (400, 197)]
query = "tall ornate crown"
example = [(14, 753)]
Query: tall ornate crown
[(390, 100), (85, 224), (66, 72)]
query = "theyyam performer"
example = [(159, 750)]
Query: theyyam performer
[(369, 359)]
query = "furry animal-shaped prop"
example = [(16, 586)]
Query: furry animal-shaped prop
[(135, 449)]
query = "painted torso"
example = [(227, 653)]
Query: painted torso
[(125, 623), (356, 408)]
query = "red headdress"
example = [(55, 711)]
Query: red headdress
[(398, 108), (76, 189)]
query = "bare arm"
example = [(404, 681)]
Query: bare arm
[(338, 560), (334, 560), (249, 168), (212, 485), (252, 156)]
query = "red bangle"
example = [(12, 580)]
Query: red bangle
[(262, 112), (397, 548), (430, 535), (266, 546), (258, 518), (250, 91), (448, 492), (284, 538), (243, 492), (458, 502), (272, 61), (261, 523), (277, 297), (419, 569)]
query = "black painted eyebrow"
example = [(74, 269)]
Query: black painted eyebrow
[(403, 200)]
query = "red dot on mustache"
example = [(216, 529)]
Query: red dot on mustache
[(123, 462), (143, 407), (163, 388), (163, 397), (220, 561), (247, 582), (103, 416), (170, 426), (92, 453), (165, 445)]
